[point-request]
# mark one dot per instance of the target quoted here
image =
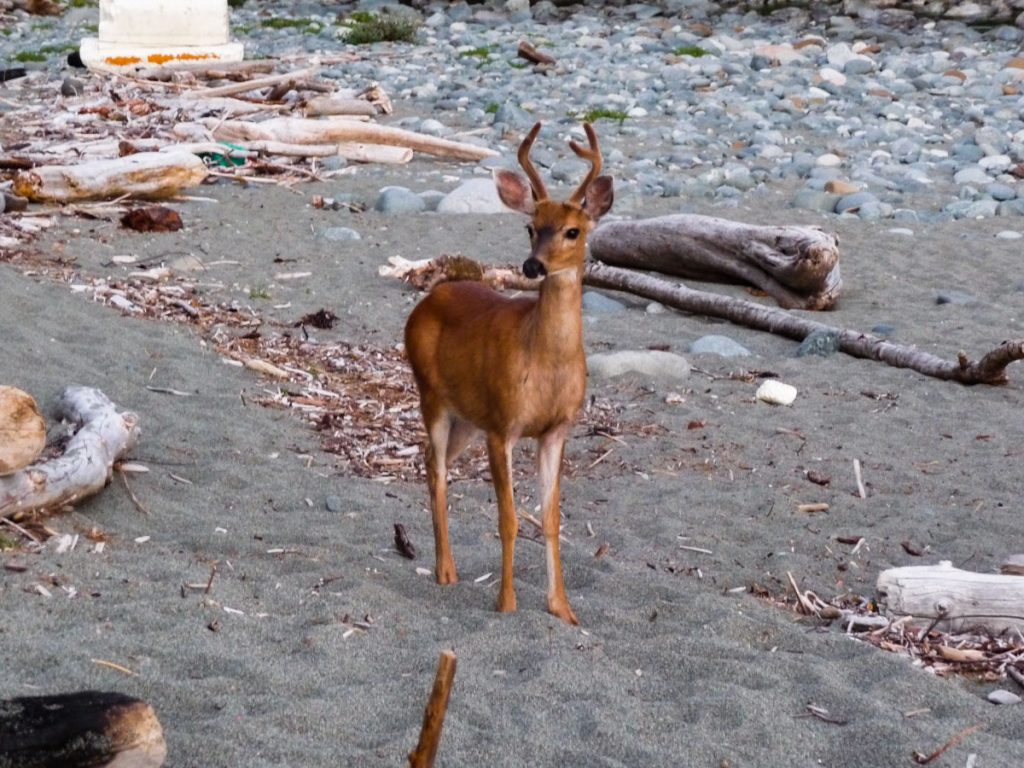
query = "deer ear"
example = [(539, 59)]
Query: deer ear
[(514, 191), (599, 197)]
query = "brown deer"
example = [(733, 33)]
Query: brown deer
[(511, 367)]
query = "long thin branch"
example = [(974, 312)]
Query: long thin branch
[(990, 369)]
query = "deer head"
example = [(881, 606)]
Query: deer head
[(558, 230)]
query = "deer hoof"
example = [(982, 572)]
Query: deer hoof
[(564, 612), (506, 603), (446, 574)]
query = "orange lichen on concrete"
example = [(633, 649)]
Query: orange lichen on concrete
[(122, 61), (163, 58)]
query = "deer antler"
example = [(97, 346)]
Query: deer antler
[(593, 155), (540, 192)]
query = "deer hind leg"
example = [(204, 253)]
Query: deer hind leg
[(439, 428), (550, 447), (499, 451)]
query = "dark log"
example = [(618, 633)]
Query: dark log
[(796, 266), (89, 729)]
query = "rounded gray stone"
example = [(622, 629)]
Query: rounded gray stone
[(473, 196), (596, 303), (820, 344), (1001, 696), (652, 363), (722, 346), (853, 202), (397, 201)]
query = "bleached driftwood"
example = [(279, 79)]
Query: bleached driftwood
[(85, 467), (251, 85), (797, 266), (22, 430), (339, 105), (90, 729), (374, 153), (146, 174), (957, 600), (296, 130), (225, 70)]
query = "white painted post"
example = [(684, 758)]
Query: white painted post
[(141, 33)]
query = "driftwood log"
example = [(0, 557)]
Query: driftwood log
[(90, 729), (796, 266), (956, 600), (297, 130), (433, 717), (146, 174), (85, 467), (22, 430)]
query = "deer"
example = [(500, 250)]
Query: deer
[(511, 368)]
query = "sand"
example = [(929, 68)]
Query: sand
[(675, 662)]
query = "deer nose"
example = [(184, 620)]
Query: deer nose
[(533, 267)]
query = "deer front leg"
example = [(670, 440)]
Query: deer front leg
[(499, 451), (438, 430), (549, 469)]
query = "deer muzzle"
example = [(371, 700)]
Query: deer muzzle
[(533, 267)]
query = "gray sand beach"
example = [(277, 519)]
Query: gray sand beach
[(316, 643), (675, 662)]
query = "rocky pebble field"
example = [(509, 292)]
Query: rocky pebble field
[(872, 113)]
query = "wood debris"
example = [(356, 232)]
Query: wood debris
[(985, 656), (242, 121)]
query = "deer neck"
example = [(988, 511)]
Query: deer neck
[(558, 321)]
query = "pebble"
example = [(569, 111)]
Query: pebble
[(819, 343), (397, 201), (332, 504), (1009, 234), (652, 363), (1001, 696), (722, 346), (930, 123), (596, 303), (954, 296)]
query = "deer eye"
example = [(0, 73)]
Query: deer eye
[(572, 233)]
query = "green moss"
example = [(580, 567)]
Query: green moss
[(83, 3), (7, 542), (259, 292), (483, 52), (691, 50), (92, 29), (236, 3), (242, 29), (518, 64), (62, 48), (366, 28), (491, 108), (604, 114), (303, 25), (26, 56)]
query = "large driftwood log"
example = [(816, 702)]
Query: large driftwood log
[(990, 369), (22, 430), (90, 729), (252, 85), (957, 600), (85, 467), (297, 130), (145, 174), (433, 717), (796, 266)]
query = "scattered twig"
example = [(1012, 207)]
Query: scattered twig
[(402, 543), (922, 759), (114, 666), (860, 480)]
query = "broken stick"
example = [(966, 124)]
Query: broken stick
[(433, 718)]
